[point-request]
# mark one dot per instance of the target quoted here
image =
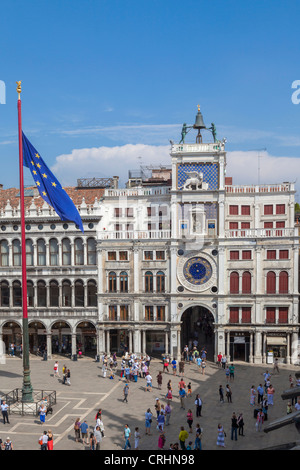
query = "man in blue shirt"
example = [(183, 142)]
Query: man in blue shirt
[(84, 431), (260, 393), (182, 395), (127, 434)]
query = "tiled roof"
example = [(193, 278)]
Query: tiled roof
[(31, 195)]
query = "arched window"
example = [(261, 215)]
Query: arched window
[(17, 294), (66, 293), (54, 294), (66, 252), (148, 281), (92, 293), (29, 253), (271, 282), (4, 250), (4, 294), (30, 294), (79, 294), (123, 281), (91, 251), (283, 282), (41, 294), (41, 252), (53, 245), (16, 246), (160, 282), (112, 282), (79, 258), (234, 282), (246, 283)]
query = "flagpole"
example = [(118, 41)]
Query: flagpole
[(27, 388)]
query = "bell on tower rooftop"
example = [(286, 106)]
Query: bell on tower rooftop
[(199, 124)]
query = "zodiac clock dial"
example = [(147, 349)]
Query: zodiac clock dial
[(197, 271)]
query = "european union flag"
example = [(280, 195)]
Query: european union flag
[(49, 188)]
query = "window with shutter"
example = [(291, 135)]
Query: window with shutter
[(270, 314), (246, 315), (283, 282), (246, 283), (271, 282), (234, 315), (234, 254), (234, 283), (283, 315)]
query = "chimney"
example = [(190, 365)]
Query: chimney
[(115, 182)]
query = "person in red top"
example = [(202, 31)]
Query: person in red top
[(219, 359)]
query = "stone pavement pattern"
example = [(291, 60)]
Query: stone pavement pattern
[(89, 391)]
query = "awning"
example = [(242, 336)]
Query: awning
[(277, 340)]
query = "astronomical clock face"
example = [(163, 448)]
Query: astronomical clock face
[(197, 271)]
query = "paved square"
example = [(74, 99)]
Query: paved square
[(89, 391)]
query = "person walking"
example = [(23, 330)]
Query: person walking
[(4, 410), (231, 372), (270, 394), (42, 413), (127, 434), (221, 436), (203, 366), (137, 438), (77, 425), (126, 393), (84, 432), (219, 358), (168, 411), (240, 423), (234, 426), (182, 395), (221, 394), (161, 440), (43, 441), (148, 387), (252, 395), (189, 417), (148, 421), (198, 403), (183, 435), (260, 393), (198, 444), (228, 394), (68, 377), (55, 368), (92, 441), (275, 367), (50, 440), (98, 437), (259, 420), (159, 380), (174, 366)]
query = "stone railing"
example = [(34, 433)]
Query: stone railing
[(135, 235)]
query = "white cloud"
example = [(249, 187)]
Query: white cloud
[(243, 166), (108, 161)]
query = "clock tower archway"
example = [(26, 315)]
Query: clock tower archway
[(197, 327)]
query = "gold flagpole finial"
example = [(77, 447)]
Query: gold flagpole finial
[(198, 107), (19, 89)]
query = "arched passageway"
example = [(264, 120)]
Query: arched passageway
[(198, 329)]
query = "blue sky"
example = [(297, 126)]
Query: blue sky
[(117, 78)]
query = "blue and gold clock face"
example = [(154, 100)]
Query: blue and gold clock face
[(197, 271)]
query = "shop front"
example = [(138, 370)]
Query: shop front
[(240, 346), (276, 348), (155, 342)]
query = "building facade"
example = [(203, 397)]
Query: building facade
[(180, 256)]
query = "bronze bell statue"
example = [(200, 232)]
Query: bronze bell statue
[(199, 124)]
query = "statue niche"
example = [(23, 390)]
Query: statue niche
[(194, 181)]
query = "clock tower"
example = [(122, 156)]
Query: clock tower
[(197, 207)]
